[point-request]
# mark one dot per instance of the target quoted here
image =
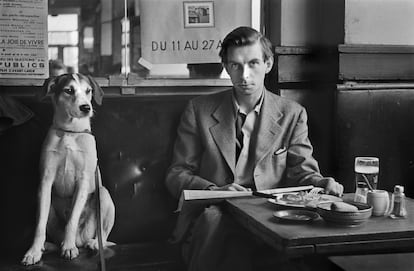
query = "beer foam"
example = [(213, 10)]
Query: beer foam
[(366, 169)]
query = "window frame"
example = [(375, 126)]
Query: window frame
[(126, 82)]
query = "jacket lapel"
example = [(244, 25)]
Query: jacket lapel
[(223, 132), (269, 130)]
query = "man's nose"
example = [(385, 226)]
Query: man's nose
[(246, 71)]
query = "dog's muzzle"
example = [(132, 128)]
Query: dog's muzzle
[(85, 108)]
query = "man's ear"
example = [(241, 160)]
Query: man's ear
[(269, 64), (97, 90), (47, 88)]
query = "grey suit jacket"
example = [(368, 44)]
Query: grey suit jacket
[(205, 148)]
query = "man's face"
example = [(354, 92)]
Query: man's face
[(247, 69)]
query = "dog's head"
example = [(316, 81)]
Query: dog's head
[(73, 93)]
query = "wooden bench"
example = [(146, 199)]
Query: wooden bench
[(144, 256), (135, 136)]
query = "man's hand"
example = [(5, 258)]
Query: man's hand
[(331, 186), (230, 187)]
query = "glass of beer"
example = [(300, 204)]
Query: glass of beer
[(366, 176)]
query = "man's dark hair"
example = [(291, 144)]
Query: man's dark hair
[(243, 36)]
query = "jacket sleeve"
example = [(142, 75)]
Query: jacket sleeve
[(182, 174), (302, 168)]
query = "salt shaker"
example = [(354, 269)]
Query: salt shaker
[(398, 203)]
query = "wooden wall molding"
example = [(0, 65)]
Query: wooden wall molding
[(376, 62), (306, 64)]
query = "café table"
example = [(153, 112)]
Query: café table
[(376, 235)]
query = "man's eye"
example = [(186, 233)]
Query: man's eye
[(69, 91), (254, 63)]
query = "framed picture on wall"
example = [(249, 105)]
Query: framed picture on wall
[(198, 14)]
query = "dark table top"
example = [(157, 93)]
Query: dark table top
[(377, 234)]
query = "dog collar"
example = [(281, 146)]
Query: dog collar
[(86, 131)]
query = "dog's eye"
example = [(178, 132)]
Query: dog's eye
[(69, 91), (88, 91)]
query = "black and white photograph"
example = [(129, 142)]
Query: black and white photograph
[(206, 135)]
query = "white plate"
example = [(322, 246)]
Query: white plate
[(294, 200)]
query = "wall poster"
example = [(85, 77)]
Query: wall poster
[(23, 39), (176, 31)]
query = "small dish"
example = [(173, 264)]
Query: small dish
[(298, 216), (347, 219)]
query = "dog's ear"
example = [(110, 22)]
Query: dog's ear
[(97, 90), (48, 86)]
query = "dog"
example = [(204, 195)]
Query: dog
[(68, 166)]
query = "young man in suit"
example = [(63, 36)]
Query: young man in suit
[(240, 139)]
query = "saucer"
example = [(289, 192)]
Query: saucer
[(298, 216)]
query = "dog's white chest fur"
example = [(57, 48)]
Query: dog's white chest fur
[(71, 157)]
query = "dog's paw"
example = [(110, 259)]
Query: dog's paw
[(69, 251), (32, 256), (92, 244)]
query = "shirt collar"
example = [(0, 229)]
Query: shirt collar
[(237, 108)]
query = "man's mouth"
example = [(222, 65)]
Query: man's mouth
[(245, 85)]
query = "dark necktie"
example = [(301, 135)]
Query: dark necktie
[(239, 133)]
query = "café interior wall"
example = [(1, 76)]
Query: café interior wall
[(306, 22), (376, 120), (333, 22), (374, 116), (305, 34), (379, 22), (308, 36)]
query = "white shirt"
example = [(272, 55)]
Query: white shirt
[(245, 162)]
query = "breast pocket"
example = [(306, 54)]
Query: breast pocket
[(279, 159)]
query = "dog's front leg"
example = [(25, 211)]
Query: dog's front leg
[(68, 246), (34, 254)]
